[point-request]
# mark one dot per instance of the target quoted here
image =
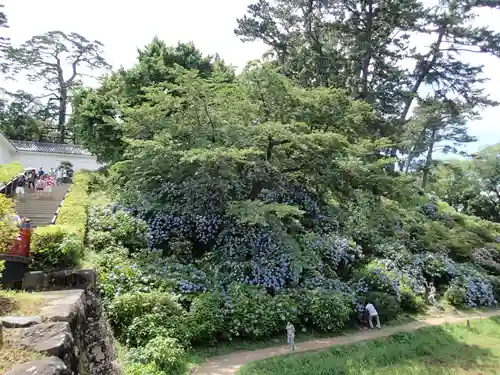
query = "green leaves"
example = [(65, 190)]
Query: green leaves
[(251, 212)]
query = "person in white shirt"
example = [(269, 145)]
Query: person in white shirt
[(372, 311), (59, 176)]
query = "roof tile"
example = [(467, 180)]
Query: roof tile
[(53, 148)]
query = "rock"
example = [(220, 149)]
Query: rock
[(46, 366), (34, 281), (64, 305), (73, 279), (20, 321), (50, 338), (60, 280)]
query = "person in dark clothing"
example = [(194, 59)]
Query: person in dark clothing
[(31, 179)]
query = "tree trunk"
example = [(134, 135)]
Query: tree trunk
[(367, 53), (428, 160), (61, 123), (422, 69)]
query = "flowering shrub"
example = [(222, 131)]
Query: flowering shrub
[(378, 278), (123, 228), (489, 259), (479, 293), (335, 250), (255, 256)]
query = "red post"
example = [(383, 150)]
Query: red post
[(21, 246)]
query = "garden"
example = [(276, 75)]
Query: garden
[(294, 190)]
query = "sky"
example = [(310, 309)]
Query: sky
[(124, 26)]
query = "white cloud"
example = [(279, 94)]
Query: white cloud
[(124, 26)]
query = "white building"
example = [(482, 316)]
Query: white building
[(47, 155)]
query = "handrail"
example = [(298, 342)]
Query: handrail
[(9, 188)]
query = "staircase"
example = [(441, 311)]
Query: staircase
[(40, 211)]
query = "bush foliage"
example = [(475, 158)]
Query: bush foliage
[(8, 229), (9, 171)]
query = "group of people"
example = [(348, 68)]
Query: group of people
[(40, 181)]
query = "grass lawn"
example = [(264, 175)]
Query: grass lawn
[(15, 303), (443, 350)]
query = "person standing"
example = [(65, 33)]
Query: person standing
[(59, 176), (372, 311), (32, 179), (41, 172), (21, 182), (290, 333), (49, 183), (39, 187)]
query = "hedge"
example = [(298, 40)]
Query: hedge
[(61, 245), (73, 211), (8, 230), (9, 171)]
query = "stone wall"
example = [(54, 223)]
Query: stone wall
[(71, 328)]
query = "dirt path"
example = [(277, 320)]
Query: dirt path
[(229, 364)]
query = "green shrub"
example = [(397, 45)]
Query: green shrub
[(286, 309), (73, 212), (328, 311), (125, 308), (9, 171), (388, 306), (455, 295), (165, 352), (142, 369), (98, 240), (8, 230), (410, 301), (148, 326), (55, 247), (206, 318), (251, 312)]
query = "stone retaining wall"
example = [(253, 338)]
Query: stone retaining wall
[(71, 328)]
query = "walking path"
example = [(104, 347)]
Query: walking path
[(229, 364)]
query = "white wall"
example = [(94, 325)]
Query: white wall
[(49, 160), (6, 150)]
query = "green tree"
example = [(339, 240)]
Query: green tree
[(4, 42), (440, 125), (99, 115), (359, 46), (44, 59)]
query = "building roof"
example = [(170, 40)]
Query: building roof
[(52, 148)]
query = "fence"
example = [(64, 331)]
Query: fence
[(9, 189)]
